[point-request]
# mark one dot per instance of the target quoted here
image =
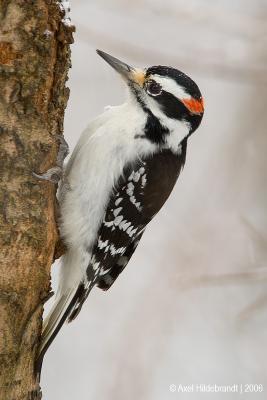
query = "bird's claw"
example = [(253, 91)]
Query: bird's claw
[(52, 175), (55, 174)]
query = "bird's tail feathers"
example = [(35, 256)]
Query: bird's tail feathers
[(71, 293), (56, 318)]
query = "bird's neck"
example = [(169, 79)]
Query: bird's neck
[(159, 129)]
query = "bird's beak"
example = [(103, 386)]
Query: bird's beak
[(129, 73)]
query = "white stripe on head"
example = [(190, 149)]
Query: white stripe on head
[(171, 86)]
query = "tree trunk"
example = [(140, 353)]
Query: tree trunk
[(34, 62)]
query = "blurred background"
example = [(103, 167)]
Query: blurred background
[(191, 306)]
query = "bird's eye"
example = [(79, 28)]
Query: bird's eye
[(153, 88)]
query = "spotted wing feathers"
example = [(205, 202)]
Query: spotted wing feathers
[(139, 194)]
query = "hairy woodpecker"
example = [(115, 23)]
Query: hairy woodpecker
[(120, 174)]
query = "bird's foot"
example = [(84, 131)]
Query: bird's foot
[(52, 175), (55, 174)]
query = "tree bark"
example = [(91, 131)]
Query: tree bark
[(34, 62)]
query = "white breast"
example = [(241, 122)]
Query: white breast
[(95, 165)]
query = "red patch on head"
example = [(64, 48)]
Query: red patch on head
[(194, 106)]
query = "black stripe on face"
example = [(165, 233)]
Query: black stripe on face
[(173, 108)]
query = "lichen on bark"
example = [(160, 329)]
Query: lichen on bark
[(34, 62)]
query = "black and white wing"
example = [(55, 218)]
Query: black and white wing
[(139, 194)]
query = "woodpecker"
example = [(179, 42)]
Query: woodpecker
[(119, 175)]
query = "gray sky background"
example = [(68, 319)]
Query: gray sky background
[(191, 305)]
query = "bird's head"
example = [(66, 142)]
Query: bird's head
[(166, 92)]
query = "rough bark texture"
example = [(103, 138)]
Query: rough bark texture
[(34, 61)]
